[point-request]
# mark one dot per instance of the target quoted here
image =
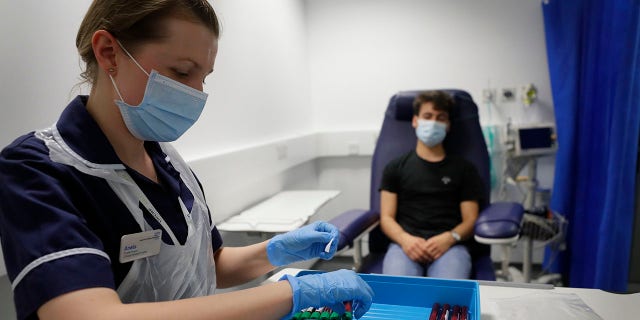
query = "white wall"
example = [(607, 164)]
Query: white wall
[(259, 91), (363, 51), (39, 63), (236, 180)]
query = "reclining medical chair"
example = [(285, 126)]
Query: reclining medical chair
[(497, 222)]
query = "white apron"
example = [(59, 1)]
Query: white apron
[(178, 271)]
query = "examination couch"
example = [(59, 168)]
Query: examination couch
[(397, 136)]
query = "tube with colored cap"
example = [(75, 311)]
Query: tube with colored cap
[(444, 315), (456, 313), (435, 309), (348, 314)]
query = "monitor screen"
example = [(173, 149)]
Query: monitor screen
[(536, 138)]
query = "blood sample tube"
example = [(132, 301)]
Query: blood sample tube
[(348, 314), (334, 316), (326, 314), (455, 315), (434, 311), (464, 313), (316, 313), (306, 314), (444, 315)]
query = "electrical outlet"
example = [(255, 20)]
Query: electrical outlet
[(508, 95)]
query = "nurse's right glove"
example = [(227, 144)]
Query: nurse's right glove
[(308, 242), (331, 290)]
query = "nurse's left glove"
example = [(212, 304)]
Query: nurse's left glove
[(331, 289), (308, 242)]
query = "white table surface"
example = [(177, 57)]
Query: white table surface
[(285, 211), (609, 306)]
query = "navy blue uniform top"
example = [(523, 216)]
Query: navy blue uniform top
[(430, 193), (48, 208)]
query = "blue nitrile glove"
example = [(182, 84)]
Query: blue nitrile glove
[(331, 290), (304, 243)]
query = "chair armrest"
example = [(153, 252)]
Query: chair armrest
[(499, 223), (352, 224)]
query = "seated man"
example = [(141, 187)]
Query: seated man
[(429, 200)]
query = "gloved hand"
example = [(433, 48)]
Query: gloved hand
[(331, 290), (304, 243)]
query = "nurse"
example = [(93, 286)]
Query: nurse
[(100, 218)]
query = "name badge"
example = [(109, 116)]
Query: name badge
[(140, 245)]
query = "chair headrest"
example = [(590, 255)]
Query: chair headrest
[(401, 104)]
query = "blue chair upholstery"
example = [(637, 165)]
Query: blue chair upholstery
[(396, 137)]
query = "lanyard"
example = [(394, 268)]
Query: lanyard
[(147, 204)]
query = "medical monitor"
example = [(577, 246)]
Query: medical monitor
[(534, 139)]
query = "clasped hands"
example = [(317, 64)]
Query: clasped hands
[(426, 250)]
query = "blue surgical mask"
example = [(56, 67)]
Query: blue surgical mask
[(168, 108), (431, 132)]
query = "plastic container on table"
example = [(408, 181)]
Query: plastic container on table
[(411, 298)]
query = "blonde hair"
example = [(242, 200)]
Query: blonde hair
[(134, 22)]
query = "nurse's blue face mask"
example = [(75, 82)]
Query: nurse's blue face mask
[(167, 110)]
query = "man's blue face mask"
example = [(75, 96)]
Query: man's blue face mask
[(167, 110), (431, 132)]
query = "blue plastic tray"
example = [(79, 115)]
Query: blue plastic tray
[(410, 298)]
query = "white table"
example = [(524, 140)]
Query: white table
[(609, 306), (285, 211)]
